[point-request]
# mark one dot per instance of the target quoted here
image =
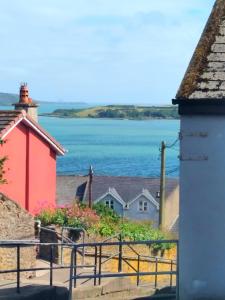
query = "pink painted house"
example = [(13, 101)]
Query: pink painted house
[(30, 169)]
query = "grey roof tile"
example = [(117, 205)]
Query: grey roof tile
[(69, 187), (205, 76)]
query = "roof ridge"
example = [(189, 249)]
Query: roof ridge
[(17, 116)]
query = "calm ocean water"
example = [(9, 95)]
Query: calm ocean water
[(113, 147)]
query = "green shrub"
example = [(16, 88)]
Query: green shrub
[(142, 231), (46, 216), (73, 216), (106, 229), (106, 213), (103, 221)]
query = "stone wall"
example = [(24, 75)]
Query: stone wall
[(15, 224), (53, 234)]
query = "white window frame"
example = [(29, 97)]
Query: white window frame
[(110, 203), (143, 206)]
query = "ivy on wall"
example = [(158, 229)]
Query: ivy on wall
[(2, 164)]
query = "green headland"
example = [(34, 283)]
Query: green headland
[(130, 112)]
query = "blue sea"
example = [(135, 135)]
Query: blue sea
[(112, 147)]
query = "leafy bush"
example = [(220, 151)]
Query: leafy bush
[(2, 166), (143, 231), (103, 228), (73, 216), (106, 212), (130, 230), (102, 221)]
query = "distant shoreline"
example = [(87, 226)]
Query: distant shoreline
[(49, 115), (118, 112)]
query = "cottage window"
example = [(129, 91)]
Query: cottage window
[(126, 206), (109, 203), (143, 206)]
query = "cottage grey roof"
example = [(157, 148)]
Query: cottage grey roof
[(71, 187), (205, 76), (129, 187)]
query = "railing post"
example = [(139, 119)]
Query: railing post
[(61, 250), (71, 274), (18, 269), (95, 267), (171, 275), (120, 254), (75, 267), (156, 271), (51, 264), (100, 265), (178, 272), (138, 269), (83, 250)]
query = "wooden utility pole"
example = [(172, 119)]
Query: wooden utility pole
[(90, 187), (162, 188)]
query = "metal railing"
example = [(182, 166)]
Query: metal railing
[(98, 256), (18, 245), (66, 242), (76, 230)]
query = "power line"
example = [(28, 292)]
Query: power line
[(172, 171), (173, 144)]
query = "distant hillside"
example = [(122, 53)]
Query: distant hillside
[(120, 112), (8, 99)]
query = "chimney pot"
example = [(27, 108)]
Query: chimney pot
[(26, 103)]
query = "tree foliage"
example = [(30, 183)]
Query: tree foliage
[(2, 166)]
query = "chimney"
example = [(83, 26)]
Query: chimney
[(26, 103)]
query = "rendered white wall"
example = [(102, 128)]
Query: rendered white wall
[(202, 208)]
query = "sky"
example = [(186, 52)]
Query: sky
[(99, 51)]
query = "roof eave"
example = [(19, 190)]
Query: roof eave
[(31, 123), (52, 142), (197, 101), (204, 106)]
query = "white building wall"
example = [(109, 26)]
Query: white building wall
[(202, 208)]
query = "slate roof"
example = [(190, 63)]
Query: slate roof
[(205, 76), (129, 187), (70, 187), (10, 118)]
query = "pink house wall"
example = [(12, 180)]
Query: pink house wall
[(42, 173), (15, 166), (30, 169)]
